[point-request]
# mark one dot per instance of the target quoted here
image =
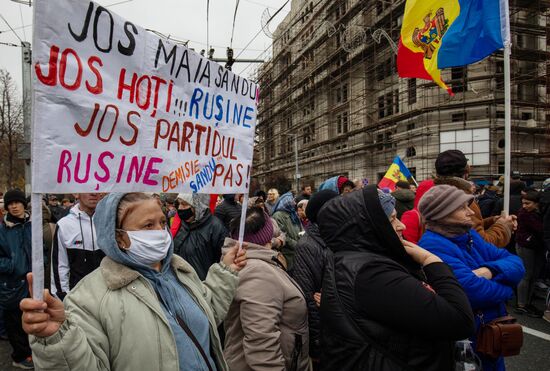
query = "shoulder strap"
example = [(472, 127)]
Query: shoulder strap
[(189, 333), (369, 339)]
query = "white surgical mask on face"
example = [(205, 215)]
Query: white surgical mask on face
[(148, 247)]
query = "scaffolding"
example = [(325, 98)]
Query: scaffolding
[(332, 81)]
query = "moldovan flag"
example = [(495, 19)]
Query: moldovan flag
[(396, 172), (438, 34)]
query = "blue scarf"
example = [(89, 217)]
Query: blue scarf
[(287, 204)]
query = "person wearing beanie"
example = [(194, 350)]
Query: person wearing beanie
[(309, 264), (530, 248), (229, 209), (199, 239), (266, 326), (286, 216), (487, 274), (15, 263), (452, 169), (411, 219), (381, 293), (404, 197)]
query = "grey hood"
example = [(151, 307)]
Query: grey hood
[(105, 225)]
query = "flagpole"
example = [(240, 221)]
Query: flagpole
[(507, 127)]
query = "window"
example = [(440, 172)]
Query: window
[(458, 117), (386, 68), (396, 100), (308, 134), (526, 115), (342, 123), (380, 141), (527, 92), (388, 140), (459, 75), (388, 104), (411, 90), (381, 107), (341, 94), (500, 114), (411, 126), (473, 143), (410, 152)]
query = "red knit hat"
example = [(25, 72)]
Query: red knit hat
[(341, 181)]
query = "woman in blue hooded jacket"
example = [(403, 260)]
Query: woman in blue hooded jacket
[(487, 274)]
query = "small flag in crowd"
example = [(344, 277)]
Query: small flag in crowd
[(396, 172), (439, 34)]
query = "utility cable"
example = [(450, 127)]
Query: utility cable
[(11, 28), (261, 29), (207, 25), (234, 18)]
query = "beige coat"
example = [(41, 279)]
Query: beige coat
[(115, 321), (267, 316)]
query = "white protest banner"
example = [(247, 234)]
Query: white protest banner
[(119, 109)]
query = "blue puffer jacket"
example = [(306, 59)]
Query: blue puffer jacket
[(15, 261), (468, 252)]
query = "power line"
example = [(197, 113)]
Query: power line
[(21, 15), (259, 32), (10, 44), (11, 28), (234, 18), (207, 24)]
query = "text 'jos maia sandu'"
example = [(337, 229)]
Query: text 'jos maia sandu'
[(100, 23)]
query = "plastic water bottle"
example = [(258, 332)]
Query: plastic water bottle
[(465, 357)]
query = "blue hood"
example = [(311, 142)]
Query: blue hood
[(105, 225), (331, 183)]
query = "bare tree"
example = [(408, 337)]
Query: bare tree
[(11, 131)]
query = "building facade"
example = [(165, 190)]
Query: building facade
[(332, 84)]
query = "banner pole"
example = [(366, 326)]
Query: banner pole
[(414, 180), (37, 241), (507, 127), (37, 247)]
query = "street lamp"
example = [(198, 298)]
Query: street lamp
[(297, 175)]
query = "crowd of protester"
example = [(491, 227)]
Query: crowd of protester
[(348, 277)]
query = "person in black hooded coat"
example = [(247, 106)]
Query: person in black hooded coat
[(200, 237), (309, 264), (386, 303), (229, 209)]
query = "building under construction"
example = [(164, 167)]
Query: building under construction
[(332, 85)]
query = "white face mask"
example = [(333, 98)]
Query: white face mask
[(149, 247)]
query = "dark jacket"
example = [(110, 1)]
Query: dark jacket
[(200, 243), (530, 229), (15, 260), (487, 202), (377, 313), (228, 210), (307, 271), (404, 201)]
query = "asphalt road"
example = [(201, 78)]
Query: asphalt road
[(535, 354)]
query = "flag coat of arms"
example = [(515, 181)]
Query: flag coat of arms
[(439, 34), (396, 172)]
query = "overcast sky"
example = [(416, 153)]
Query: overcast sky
[(182, 19)]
